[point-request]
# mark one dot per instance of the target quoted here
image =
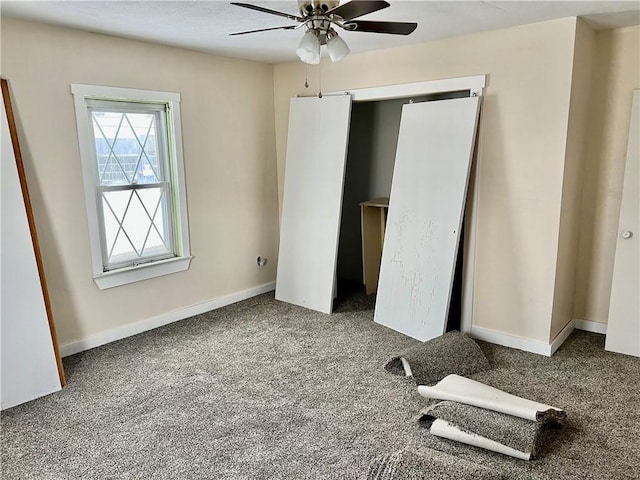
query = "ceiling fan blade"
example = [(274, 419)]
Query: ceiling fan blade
[(267, 10), (394, 28), (289, 27), (358, 8)]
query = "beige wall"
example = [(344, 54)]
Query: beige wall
[(229, 154), (522, 143), (616, 75), (563, 304), (531, 155)]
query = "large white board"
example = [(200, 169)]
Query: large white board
[(623, 329), (27, 358), (312, 201), (428, 193)]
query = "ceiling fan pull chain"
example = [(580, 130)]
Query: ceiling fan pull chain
[(306, 75), (320, 80)]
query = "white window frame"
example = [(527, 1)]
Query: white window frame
[(125, 275)]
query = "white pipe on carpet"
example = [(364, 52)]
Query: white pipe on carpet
[(444, 429)]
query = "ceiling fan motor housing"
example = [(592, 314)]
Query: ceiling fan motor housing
[(308, 7)]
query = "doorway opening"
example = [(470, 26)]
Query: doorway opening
[(373, 138), (427, 199)]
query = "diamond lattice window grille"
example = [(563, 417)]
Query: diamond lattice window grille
[(135, 202), (135, 224), (126, 148)]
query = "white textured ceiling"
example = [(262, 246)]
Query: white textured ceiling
[(205, 25)]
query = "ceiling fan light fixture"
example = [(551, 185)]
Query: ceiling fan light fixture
[(319, 16), (337, 47), (309, 48)]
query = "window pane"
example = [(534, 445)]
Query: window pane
[(135, 224), (126, 147), (154, 201)]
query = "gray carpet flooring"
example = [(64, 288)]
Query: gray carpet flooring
[(266, 390)]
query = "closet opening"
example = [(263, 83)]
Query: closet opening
[(387, 157), (371, 151)]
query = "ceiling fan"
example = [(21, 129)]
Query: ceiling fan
[(320, 16)]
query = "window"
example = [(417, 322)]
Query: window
[(131, 151)]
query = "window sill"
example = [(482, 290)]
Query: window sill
[(124, 276)]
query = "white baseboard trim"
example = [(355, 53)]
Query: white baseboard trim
[(511, 341), (520, 343), (591, 326), (562, 336), (164, 319)]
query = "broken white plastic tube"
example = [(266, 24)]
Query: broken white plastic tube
[(467, 391), (444, 429), (407, 367)]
